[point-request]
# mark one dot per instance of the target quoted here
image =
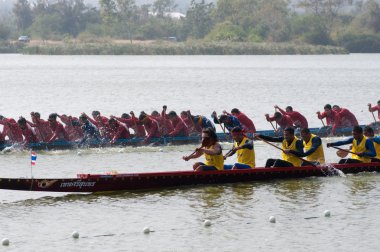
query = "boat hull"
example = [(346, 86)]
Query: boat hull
[(155, 180)]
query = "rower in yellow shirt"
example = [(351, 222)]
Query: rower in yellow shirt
[(243, 146), (313, 149), (370, 134), (212, 151)]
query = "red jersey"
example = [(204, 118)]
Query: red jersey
[(330, 119), (59, 132), (297, 118), (180, 128), (247, 123), (29, 134), (42, 129), (166, 124), (132, 123), (74, 132), (346, 118), (152, 128), (284, 122), (102, 124), (12, 130), (120, 131)]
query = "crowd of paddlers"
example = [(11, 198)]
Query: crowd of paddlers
[(156, 124)]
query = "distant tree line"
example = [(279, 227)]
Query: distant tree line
[(319, 22)]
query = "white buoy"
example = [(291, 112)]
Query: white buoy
[(272, 219), (207, 223), (75, 235), (146, 230), (79, 153), (120, 151), (161, 150), (327, 213), (5, 242)]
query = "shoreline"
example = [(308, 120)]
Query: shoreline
[(167, 48)]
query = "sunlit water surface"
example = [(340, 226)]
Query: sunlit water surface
[(239, 212)]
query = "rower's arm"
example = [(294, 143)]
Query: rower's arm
[(282, 111), (371, 152), (248, 145), (299, 147), (272, 139), (315, 143), (376, 139), (344, 142), (216, 150)]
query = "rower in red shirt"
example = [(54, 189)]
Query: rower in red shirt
[(166, 125), (188, 122), (331, 116), (28, 132), (298, 119), (180, 128), (120, 130), (375, 108), (75, 132), (347, 119), (151, 126), (132, 123), (244, 120), (11, 129), (42, 127), (59, 132), (101, 122), (284, 121)]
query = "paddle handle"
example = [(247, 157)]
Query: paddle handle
[(350, 152), (304, 160), (374, 118), (323, 123)]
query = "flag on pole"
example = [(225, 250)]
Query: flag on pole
[(33, 158)]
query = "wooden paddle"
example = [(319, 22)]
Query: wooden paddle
[(374, 118), (347, 151), (323, 123), (304, 160)]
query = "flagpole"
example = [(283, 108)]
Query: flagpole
[(31, 164)]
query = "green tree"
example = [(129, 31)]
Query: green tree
[(23, 14), (108, 14), (5, 31), (326, 11), (48, 26), (160, 7), (126, 12), (199, 19)]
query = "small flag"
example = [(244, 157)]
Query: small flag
[(33, 158)]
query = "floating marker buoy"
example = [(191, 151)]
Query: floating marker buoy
[(272, 219), (5, 242), (207, 223), (75, 235), (146, 230), (161, 150), (327, 213), (79, 153)]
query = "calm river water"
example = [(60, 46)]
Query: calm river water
[(239, 213)]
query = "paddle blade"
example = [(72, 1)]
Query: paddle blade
[(342, 153)]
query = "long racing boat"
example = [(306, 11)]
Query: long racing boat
[(62, 145), (158, 180)]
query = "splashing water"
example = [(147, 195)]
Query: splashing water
[(332, 171)]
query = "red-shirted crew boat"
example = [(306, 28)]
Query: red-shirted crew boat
[(157, 180)]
